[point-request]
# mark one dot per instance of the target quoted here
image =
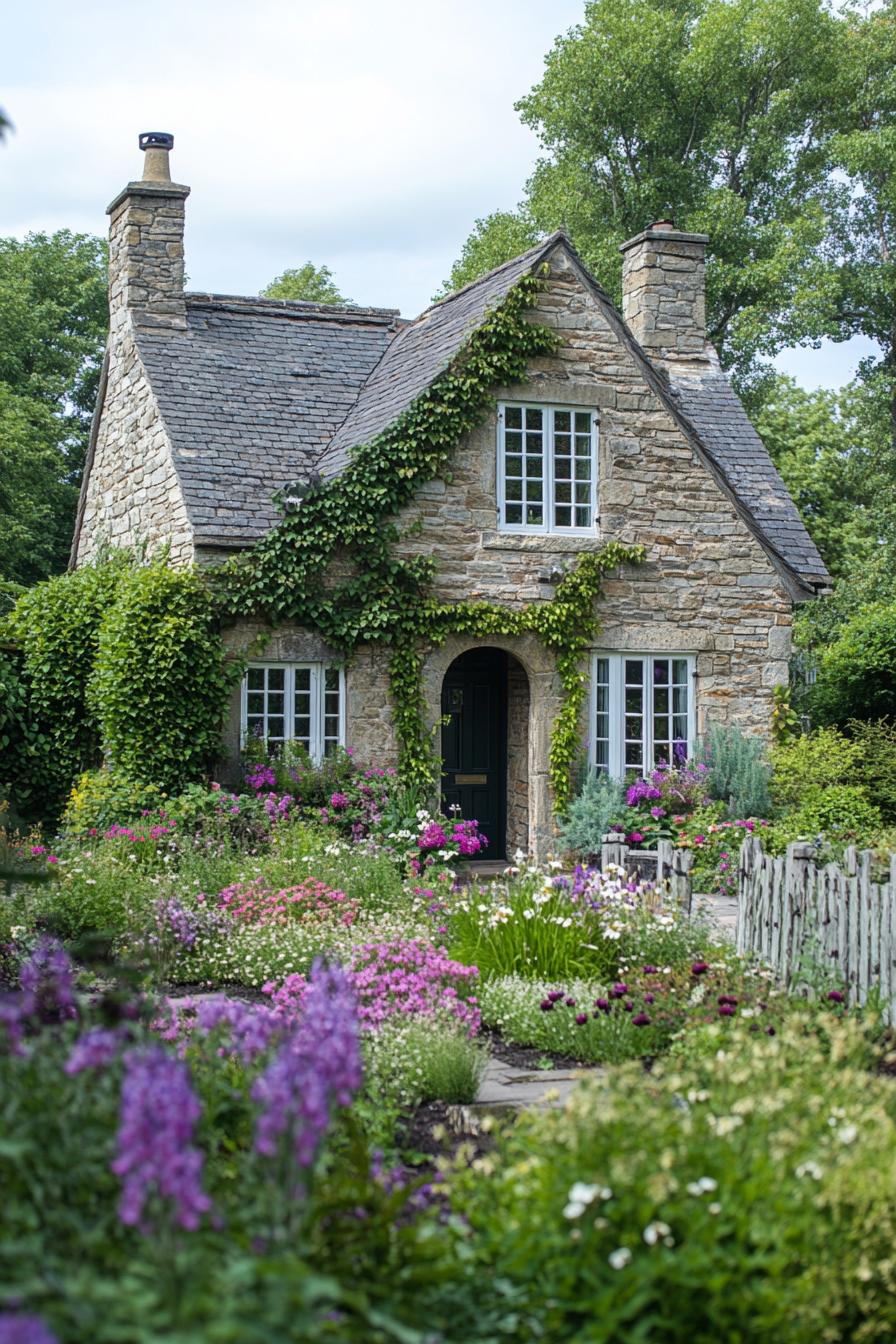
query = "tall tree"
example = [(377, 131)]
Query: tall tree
[(862, 110), (312, 283), (53, 319), (713, 111)]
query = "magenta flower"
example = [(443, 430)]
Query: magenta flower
[(640, 1020), (546, 1005), (603, 1005), (619, 990), (581, 1019), (155, 1154), (699, 968), (339, 801), (727, 1010), (835, 996)]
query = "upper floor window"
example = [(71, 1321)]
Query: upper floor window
[(547, 469), (295, 702), (642, 707)]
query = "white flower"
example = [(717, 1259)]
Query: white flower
[(555, 864), (809, 1169), (846, 1133), (704, 1186), (714, 1209), (653, 1232), (618, 1259), (529, 914)]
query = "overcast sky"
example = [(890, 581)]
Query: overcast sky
[(364, 134)]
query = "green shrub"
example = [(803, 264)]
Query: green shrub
[(599, 802), (101, 798), (57, 624), (748, 1197), (875, 766), (738, 772), (160, 684), (843, 814), (810, 764), (857, 674), (22, 745)]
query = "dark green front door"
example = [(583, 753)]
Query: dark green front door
[(474, 743)]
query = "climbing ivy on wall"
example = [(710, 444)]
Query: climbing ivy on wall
[(386, 598)]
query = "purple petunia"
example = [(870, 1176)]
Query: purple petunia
[(155, 1154)]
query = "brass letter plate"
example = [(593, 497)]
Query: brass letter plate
[(471, 779)]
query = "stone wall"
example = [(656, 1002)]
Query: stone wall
[(132, 495), (146, 255), (518, 710)]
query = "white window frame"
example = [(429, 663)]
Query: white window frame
[(617, 768), (318, 672), (548, 500)]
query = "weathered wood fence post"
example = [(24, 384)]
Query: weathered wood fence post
[(680, 884), (613, 850)]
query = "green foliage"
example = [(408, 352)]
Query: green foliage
[(53, 318), (828, 452), (310, 283), (785, 720), (101, 798), (706, 1204), (57, 625), (738, 771), (856, 672), (875, 766), (160, 682), (20, 741), (842, 813), (599, 802), (811, 764)]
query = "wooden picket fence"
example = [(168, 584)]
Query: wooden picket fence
[(665, 863), (793, 910)]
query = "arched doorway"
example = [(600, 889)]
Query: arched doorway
[(485, 741)]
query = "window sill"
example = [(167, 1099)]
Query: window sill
[(552, 542)]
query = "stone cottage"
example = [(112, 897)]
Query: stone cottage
[(211, 403)]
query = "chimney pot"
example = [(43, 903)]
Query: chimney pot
[(155, 145)]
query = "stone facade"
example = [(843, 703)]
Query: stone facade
[(709, 587)]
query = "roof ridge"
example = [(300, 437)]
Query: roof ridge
[(536, 250), (292, 307)]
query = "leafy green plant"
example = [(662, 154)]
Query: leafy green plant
[(842, 813), (855, 677), (810, 764), (875, 766), (102, 798), (160, 682), (738, 770), (57, 625), (599, 802)]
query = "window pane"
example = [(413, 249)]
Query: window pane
[(534, 515), (513, 465), (534, 418), (563, 516), (583, 469), (680, 699), (634, 672), (513, 489), (680, 727), (583, 516), (533, 491), (661, 700), (583, 423), (276, 678), (563, 492), (303, 678), (633, 754), (563, 469), (661, 671), (275, 728), (562, 422), (513, 417), (680, 671), (514, 513), (583, 494), (255, 702), (255, 678), (533, 468)]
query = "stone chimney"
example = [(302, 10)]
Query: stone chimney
[(146, 243), (664, 290)]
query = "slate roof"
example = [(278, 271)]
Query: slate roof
[(256, 392), (716, 412), (251, 394)]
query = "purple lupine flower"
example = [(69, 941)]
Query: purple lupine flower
[(251, 1026), (17, 1329), (173, 918), (94, 1050), (47, 981), (155, 1152), (12, 1027), (317, 1066)]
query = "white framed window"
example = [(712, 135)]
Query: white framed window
[(547, 468), (295, 702), (642, 704)]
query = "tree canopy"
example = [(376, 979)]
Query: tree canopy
[(767, 124), (312, 283), (53, 320)]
